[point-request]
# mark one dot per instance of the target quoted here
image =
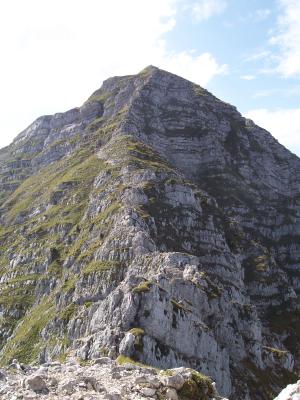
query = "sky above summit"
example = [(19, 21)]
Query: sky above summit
[(54, 54)]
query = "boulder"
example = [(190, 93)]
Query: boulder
[(37, 384)]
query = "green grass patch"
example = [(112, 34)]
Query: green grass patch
[(121, 360), (142, 287), (277, 352), (69, 284), (26, 342), (67, 314), (137, 331), (98, 266)]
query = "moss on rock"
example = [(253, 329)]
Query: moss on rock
[(198, 387)]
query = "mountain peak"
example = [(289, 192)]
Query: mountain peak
[(149, 68), (130, 226)]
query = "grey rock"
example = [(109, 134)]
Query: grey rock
[(126, 345), (148, 392), (37, 384), (171, 394), (2, 375), (174, 381), (102, 360)]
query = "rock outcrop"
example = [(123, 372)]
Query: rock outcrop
[(158, 224)]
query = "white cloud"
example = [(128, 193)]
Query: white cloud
[(248, 77), (259, 55), (283, 54), (287, 37), (283, 124), (55, 54), (200, 68), (205, 9)]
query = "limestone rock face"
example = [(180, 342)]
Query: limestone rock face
[(153, 223)]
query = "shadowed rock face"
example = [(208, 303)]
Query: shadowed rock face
[(157, 223)]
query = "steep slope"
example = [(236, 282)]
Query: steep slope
[(155, 223)]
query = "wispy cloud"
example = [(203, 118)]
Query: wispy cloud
[(257, 15), (265, 61), (281, 54), (259, 54), (248, 77), (265, 93), (261, 14), (284, 124), (286, 92), (205, 9), (287, 38)]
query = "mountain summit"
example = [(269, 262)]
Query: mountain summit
[(155, 223)]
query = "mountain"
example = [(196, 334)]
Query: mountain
[(155, 223)]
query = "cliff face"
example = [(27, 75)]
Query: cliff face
[(156, 223)]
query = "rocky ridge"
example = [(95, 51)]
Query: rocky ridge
[(154, 223), (103, 379)]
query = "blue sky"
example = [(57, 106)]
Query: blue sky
[(247, 52), (240, 37)]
